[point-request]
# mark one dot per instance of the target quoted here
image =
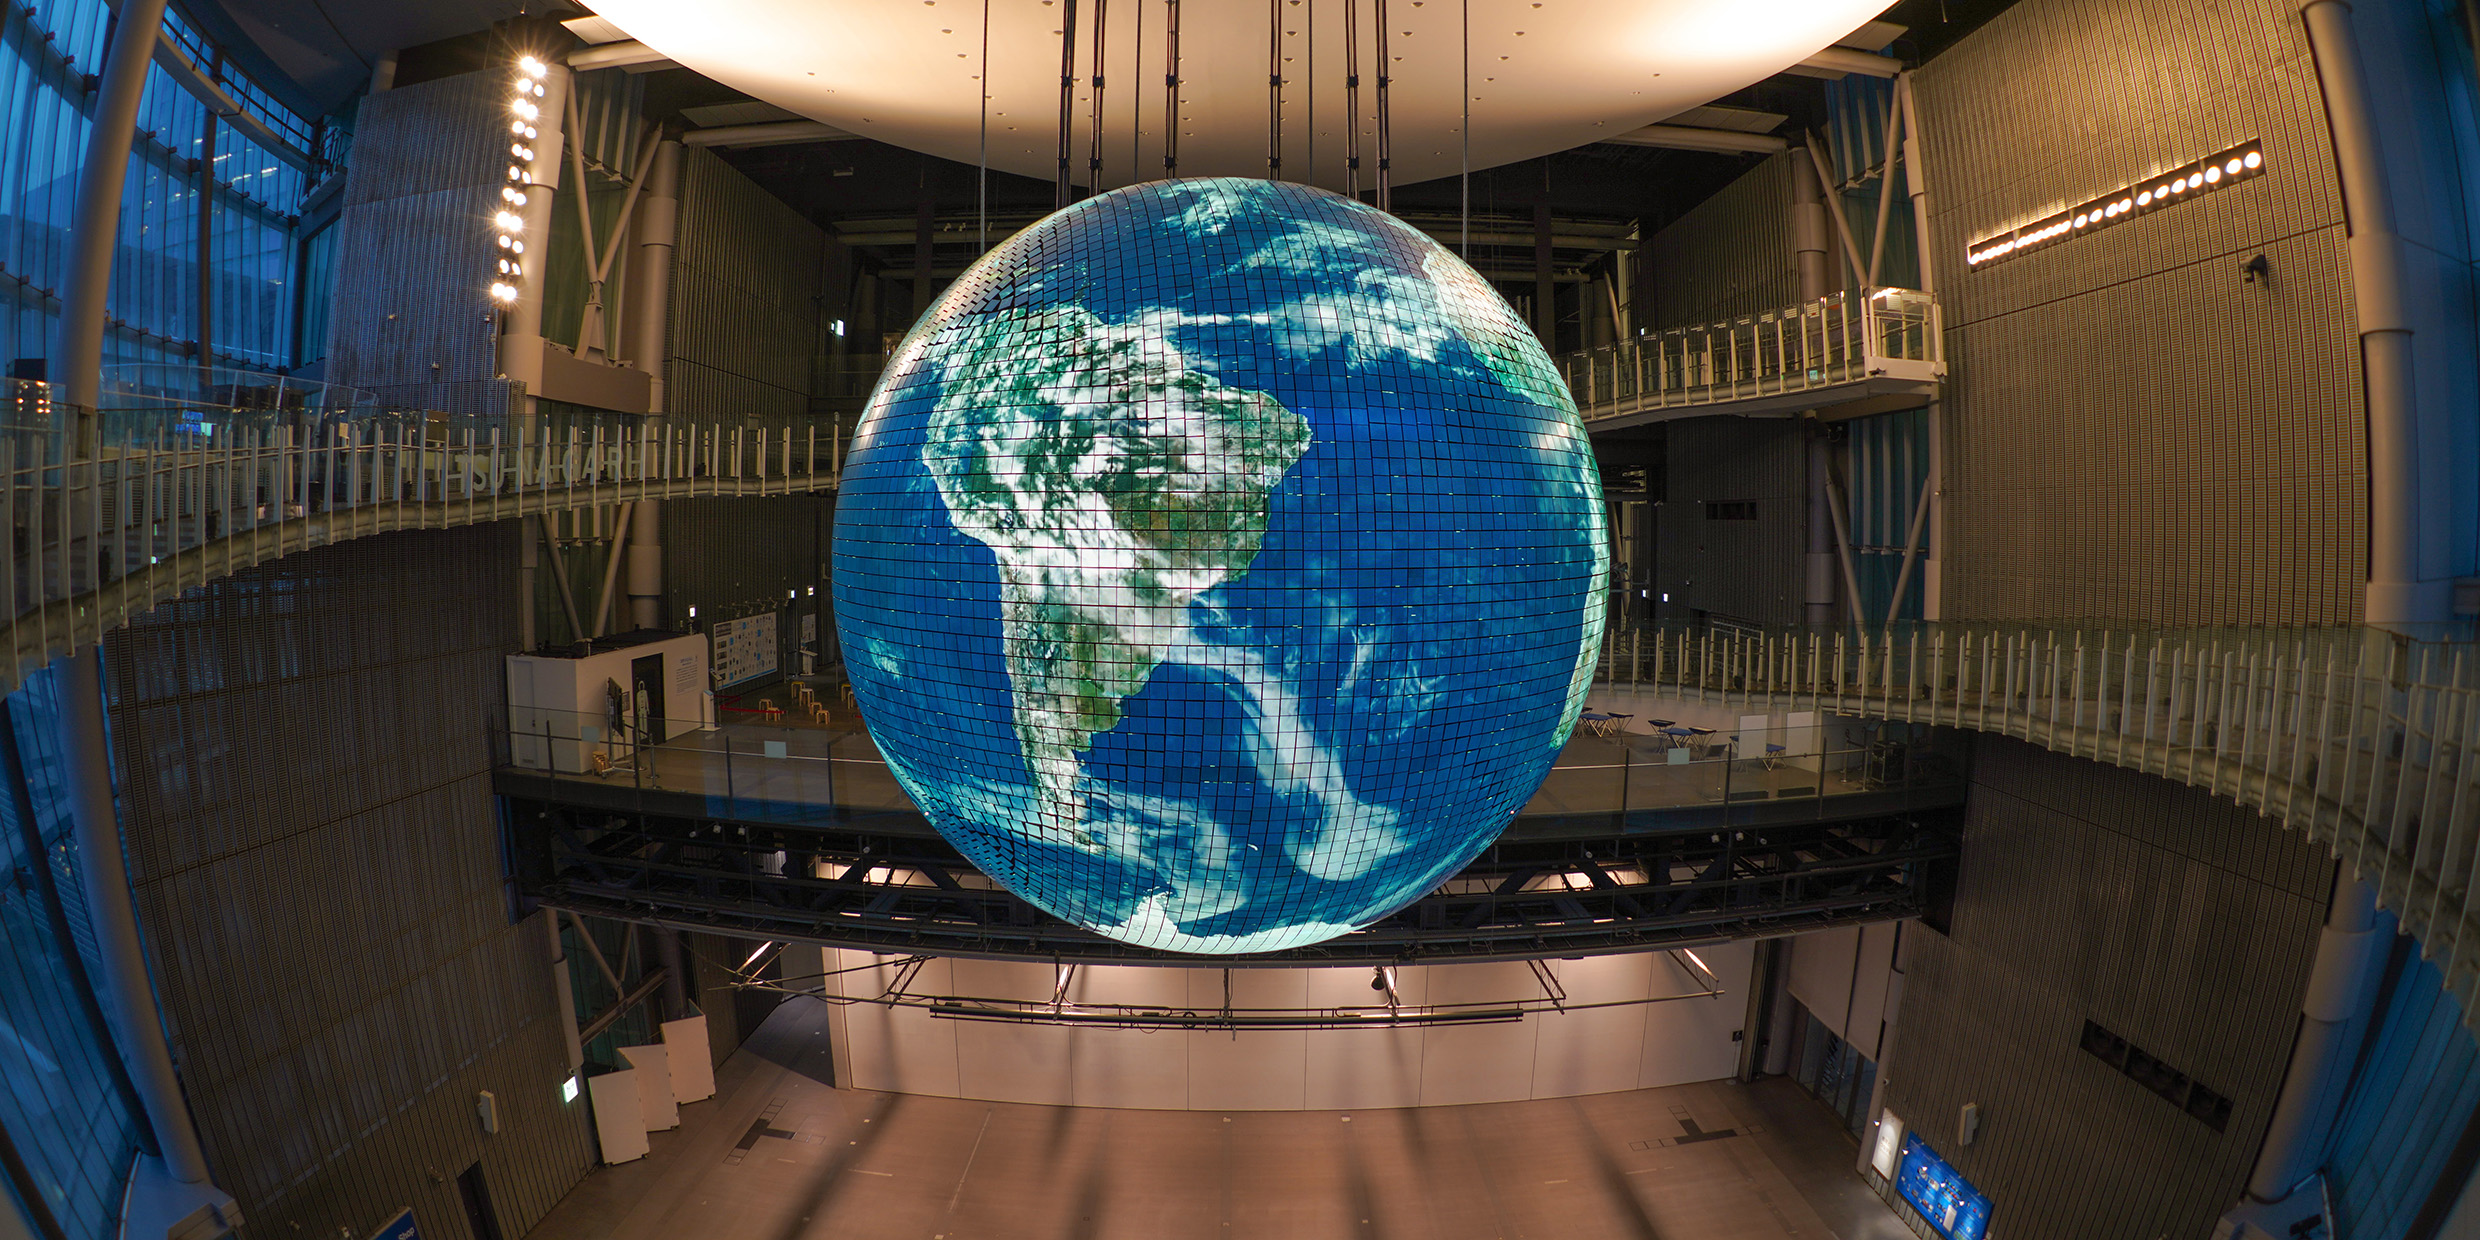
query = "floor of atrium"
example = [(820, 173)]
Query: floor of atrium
[(781, 1154)]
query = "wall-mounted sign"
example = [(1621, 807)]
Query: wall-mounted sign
[(400, 1227), (2144, 197), (745, 649), (1940, 1193)]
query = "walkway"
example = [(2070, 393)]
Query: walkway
[(1841, 355), (780, 1154), (2365, 739), (168, 499)]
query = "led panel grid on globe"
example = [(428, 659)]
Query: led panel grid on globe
[(1220, 564)]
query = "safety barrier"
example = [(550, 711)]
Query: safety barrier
[(1836, 341), (2363, 738), (111, 512)]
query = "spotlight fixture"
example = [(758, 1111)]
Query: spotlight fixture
[(2240, 163), (507, 224)]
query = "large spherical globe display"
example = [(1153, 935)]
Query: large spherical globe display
[(1220, 564)]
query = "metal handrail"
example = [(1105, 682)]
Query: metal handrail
[(1837, 339), (110, 512), (2365, 739)]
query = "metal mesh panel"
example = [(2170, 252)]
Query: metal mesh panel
[(1731, 255), (316, 857), (745, 286), (2108, 455), (2182, 923), (410, 304), (1743, 566)]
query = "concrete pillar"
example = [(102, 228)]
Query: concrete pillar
[(675, 971), (2350, 954), (2396, 593), (1809, 230)]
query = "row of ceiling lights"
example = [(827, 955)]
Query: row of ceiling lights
[(525, 112), (2151, 194)]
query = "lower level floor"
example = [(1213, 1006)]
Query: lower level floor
[(781, 1153)]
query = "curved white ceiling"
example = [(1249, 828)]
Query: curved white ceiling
[(1545, 76)]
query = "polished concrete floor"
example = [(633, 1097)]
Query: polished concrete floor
[(780, 1154)]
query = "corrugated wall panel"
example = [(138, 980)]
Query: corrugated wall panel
[(411, 298), (2133, 431), (1731, 255), (1743, 569), (304, 755), (2182, 923), (2416, 1089)]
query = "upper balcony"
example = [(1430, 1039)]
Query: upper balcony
[(1844, 355)]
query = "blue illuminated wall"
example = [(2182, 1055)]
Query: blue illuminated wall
[(2417, 1083)]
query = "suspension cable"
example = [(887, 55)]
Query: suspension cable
[(1093, 152), (1463, 241), (1308, 27), (1171, 89), (1067, 95), (1386, 194), (1274, 90), (981, 175), (1136, 98), (1351, 100)]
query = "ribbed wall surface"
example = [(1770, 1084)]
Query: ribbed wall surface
[(1742, 569), (2411, 1103), (304, 756), (745, 288), (2180, 922), (412, 267), (729, 557), (1731, 255), (2132, 430)]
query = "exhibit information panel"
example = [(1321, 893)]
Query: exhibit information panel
[(1942, 1195), (744, 649)]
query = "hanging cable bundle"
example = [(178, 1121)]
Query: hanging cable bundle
[(1274, 90), (1386, 196), (1351, 100), (1093, 153), (1067, 95), (981, 175), (1171, 88)]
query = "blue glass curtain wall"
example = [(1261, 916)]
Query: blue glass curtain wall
[(2415, 1090), (184, 157), (60, 1108), (1887, 463)]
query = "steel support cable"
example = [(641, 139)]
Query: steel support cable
[(1274, 90), (981, 175), (1463, 242), (1386, 193), (1093, 151), (1171, 89), (1136, 98), (1067, 96), (1351, 100)]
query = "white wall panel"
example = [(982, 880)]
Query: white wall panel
[(1689, 1040), (1821, 965), (1548, 1054)]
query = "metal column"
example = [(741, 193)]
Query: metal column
[(85, 745), (2341, 986), (649, 311), (1809, 234), (1916, 180), (2396, 593)]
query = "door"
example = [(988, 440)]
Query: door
[(647, 697), (476, 1194)]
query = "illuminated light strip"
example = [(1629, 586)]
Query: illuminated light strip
[(508, 223), (2243, 162)]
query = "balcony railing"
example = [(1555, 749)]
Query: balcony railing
[(2367, 740), (1838, 341), (109, 512)]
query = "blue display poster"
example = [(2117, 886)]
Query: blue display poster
[(401, 1227), (1940, 1193)]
